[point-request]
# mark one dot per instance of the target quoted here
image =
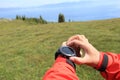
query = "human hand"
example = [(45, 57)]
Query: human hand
[(75, 47), (92, 55), (64, 44)]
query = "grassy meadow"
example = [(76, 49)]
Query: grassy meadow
[(27, 50)]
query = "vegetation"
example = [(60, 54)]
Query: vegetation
[(27, 50), (32, 20), (61, 18)]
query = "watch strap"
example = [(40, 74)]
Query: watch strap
[(71, 63), (104, 63), (67, 58), (57, 53)]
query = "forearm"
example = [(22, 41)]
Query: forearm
[(61, 70), (112, 70)]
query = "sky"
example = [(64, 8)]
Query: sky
[(30, 3), (72, 9), (33, 3)]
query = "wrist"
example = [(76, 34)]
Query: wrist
[(60, 59), (66, 52), (98, 65), (63, 59), (97, 59), (103, 62)]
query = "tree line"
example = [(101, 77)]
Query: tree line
[(32, 20), (61, 19)]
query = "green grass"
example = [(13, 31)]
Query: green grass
[(27, 50)]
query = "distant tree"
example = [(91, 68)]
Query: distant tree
[(31, 20), (61, 18), (23, 18), (42, 20), (18, 17)]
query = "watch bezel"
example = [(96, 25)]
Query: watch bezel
[(66, 54)]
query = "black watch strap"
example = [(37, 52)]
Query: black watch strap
[(67, 59), (104, 63), (71, 63), (57, 54)]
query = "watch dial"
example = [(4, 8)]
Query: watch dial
[(68, 50)]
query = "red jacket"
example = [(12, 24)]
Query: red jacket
[(63, 71)]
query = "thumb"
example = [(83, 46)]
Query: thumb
[(78, 60)]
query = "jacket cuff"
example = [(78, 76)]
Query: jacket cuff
[(103, 62), (60, 58)]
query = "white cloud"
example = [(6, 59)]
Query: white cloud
[(56, 1), (29, 3)]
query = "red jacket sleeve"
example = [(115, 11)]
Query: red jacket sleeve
[(112, 71), (61, 71)]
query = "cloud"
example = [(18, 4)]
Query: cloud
[(30, 3)]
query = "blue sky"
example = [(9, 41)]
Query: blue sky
[(33, 3), (30, 3), (72, 9)]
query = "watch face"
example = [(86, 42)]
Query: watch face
[(68, 51)]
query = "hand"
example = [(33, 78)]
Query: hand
[(64, 44), (92, 55)]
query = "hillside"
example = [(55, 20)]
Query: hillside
[(27, 50)]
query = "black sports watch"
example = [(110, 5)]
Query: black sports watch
[(66, 52)]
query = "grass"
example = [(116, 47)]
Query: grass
[(27, 50)]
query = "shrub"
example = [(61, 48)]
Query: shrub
[(18, 17), (23, 18), (32, 20), (41, 20), (61, 18)]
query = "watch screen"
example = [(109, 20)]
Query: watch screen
[(68, 50)]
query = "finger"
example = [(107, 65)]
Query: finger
[(64, 44), (82, 36), (77, 37), (73, 38), (77, 60), (74, 42)]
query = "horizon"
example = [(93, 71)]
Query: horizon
[(76, 10)]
